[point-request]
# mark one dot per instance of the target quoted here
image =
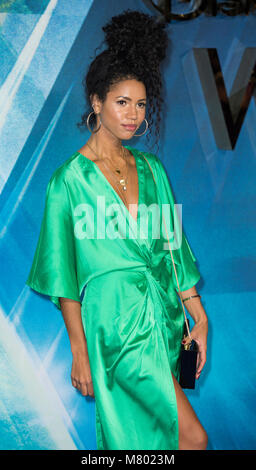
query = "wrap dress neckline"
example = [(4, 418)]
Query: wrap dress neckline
[(138, 164)]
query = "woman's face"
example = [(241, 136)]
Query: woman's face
[(125, 104)]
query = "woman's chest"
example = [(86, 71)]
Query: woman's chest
[(125, 184)]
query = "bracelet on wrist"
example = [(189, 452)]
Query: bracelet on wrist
[(184, 300)]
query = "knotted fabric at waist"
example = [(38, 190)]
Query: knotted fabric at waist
[(154, 276)]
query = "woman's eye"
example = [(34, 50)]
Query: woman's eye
[(123, 101)]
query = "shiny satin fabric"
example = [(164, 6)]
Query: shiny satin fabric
[(132, 318)]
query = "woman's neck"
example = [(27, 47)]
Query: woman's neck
[(104, 148)]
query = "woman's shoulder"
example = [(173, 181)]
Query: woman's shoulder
[(151, 157), (155, 163), (65, 171)]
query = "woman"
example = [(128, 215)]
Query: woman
[(126, 333)]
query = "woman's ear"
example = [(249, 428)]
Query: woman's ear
[(95, 103)]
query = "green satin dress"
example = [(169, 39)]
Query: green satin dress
[(92, 250)]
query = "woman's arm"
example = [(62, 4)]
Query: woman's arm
[(199, 331), (194, 305), (80, 373)]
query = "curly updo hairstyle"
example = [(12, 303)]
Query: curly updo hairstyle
[(137, 44)]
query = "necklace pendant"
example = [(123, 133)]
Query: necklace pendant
[(117, 170), (123, 184)]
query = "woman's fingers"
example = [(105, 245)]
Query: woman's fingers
[(201, 365), (74, 382), (198, 361), (90, 389), (199, 334), (83, 388), (86, 388), (201, 360), (81, 375), (201, 355)]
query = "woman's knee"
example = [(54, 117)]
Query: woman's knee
[(204, 439), (199, 438), (192, 435)]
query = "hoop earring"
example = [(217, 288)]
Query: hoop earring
[(88, 125), (138, 135)]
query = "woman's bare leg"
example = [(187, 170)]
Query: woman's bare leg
[(192, 435)]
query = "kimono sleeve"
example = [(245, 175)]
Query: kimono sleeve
[(185, 262), (53, 271)]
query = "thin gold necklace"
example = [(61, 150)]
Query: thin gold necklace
[(123, 181)]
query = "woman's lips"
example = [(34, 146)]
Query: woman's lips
[(129, 128)]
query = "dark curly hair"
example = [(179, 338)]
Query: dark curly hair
[(137, 44)]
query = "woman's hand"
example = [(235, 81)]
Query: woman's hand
[(81, 374), (199, 334)]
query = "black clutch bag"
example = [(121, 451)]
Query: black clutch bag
[(188, 355), (188, 360)]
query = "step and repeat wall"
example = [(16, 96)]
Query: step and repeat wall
[(208, 147)]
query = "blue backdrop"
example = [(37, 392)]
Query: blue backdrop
[(45, 48)]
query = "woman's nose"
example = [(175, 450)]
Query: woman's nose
[(132, 114)]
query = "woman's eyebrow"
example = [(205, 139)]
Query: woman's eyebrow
[(127, 98)]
